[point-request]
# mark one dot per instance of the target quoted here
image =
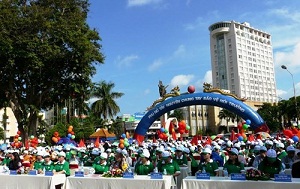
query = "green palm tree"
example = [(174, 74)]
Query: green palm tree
[(227, 115), (178, 113), (106, 107)]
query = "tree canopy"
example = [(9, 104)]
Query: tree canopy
[(48, 53)]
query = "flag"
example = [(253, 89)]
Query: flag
[(232, 136), (81, 143), (97, 144), (174, 136), (251, 138), (194, 140)]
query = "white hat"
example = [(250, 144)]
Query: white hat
[(108, 150), (237, 145), (124, 152), (186, 150), (145, 153), (290, 149), (46, 154), (269, 142), (217, 147), (103, 155), (96, 151), (40, 153), (234, 151), (179, 148), (61, 154), (192, 148), (166, 154), (271, 153), (279, 145), (206, 151)]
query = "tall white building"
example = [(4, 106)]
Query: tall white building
[(242, 61)]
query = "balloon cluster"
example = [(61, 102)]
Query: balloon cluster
[(17, 140), (55, 137), (124, 142), (71, 133), (242, 127), (292, 133), (181, 128), (33, 141)]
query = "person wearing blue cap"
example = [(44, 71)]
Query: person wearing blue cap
[(259, 158), (271, 164), (233, 165)]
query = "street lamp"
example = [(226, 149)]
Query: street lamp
[(285, 68)]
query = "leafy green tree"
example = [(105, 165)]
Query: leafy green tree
[(271, 115), (48, 54), (117, 127), (178, 113), (106, 107), (1, 133)]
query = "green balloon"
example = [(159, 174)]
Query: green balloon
[(245, 126), (187, 127), (126, 143), (73, 136), (166, 131)]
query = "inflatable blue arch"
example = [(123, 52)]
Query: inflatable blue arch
[(213, 99)]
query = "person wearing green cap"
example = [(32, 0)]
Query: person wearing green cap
[(144, 166), (271, 165), (233, 165), (101, 166), (208, 165), (168, 165)]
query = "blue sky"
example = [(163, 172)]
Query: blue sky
[(145, 41)]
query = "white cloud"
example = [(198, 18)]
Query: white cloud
[(181, 80), (133, 3), (208, 77), (281, 94), (180, 51), (290, 58), (155, 65), (147, 91), (126, 61)]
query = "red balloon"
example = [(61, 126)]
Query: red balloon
[(295, 130), (288, 133), (19, 132), (191, 89)]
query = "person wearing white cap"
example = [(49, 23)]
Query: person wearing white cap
[(101, 166), (62, 166), (47, 165), (271, 164), (207, 164), (233, 165), (290, 158), (39, 161), (144, 166), (179, 157), (280, 150), (167, 165)]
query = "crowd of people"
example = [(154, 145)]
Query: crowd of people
[(271, 156)]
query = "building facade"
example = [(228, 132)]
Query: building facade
[(242, 61)]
